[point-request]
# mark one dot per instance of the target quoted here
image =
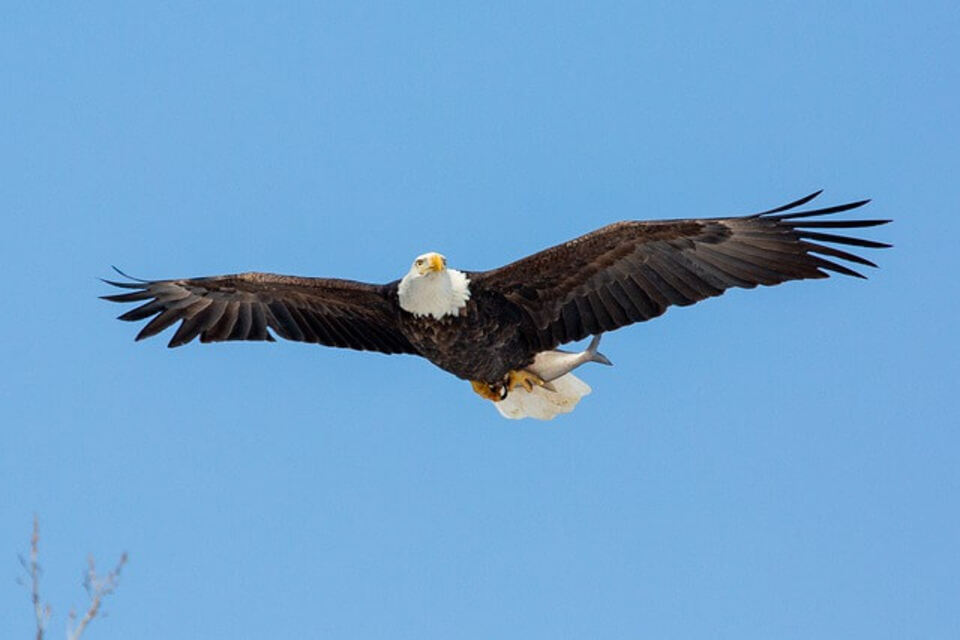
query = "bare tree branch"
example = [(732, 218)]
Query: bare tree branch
[(41, 610), (98, 588)]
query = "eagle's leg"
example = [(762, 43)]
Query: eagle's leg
[(490, 392), (523, 378)]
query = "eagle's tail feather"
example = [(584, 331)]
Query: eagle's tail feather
[(544, 404)]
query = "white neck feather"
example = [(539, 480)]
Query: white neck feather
[(436, 294)]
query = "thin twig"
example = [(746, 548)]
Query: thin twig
[(41, 611), (98, 587)]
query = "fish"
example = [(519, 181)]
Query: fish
[(550, 365), (560, 391)]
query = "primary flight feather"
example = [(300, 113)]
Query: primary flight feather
[(499, 328)]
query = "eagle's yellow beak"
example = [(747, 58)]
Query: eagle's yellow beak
[(437, 262), (431, 262)]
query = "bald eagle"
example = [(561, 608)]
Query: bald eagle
[(499, 329)]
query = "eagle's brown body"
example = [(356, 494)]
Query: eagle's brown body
[(488, 338)]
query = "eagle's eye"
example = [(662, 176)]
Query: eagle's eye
[(420, 262)]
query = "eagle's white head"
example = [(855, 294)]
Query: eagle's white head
[(431, 289)]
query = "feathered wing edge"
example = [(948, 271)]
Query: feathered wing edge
[(633, 271), (803, 227), (248, 306)]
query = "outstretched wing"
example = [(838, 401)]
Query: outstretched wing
[(336, 313), (632, 271)]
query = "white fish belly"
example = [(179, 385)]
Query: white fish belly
[(550, 365)]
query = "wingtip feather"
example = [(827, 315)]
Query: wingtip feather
[(792, 205), (127, 275)]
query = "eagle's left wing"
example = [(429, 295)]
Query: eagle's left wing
[(632, 271), (248, 306)]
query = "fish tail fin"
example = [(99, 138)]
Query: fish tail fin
[(596, 356)]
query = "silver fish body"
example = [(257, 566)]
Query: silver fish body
[(550, 365)]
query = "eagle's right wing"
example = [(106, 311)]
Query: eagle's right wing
[(336, 313), (632, 271)]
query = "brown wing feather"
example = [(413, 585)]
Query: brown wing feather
[(632, 271), (246, 306)]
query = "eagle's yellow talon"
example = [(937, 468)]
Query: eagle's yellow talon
[(525, 379)]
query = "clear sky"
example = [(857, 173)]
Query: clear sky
[(773, 463)]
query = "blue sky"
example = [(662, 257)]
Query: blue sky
[(773, 463)]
